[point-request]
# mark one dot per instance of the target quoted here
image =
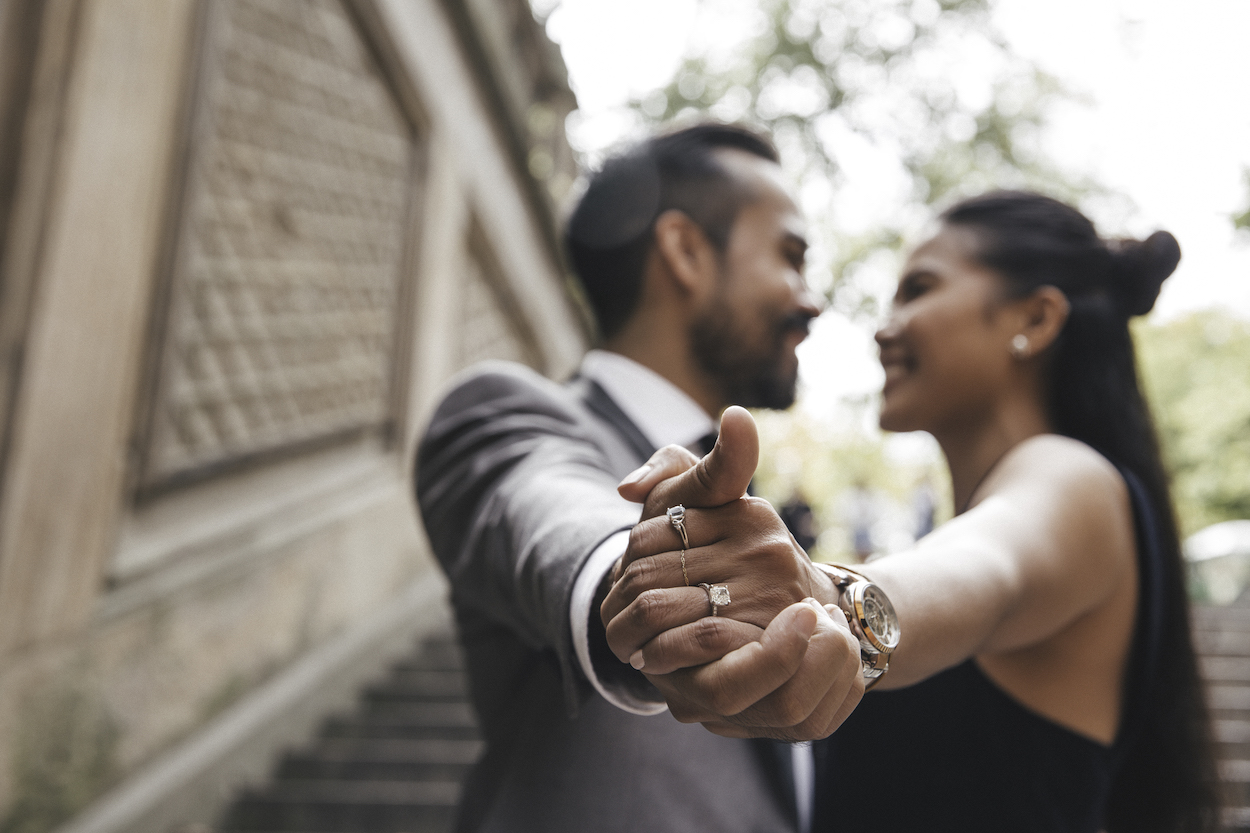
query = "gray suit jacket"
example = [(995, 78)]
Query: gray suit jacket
[(516, 480)]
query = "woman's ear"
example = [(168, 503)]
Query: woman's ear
[(685, 252), (1046, 311)]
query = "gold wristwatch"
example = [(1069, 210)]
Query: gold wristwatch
[(871, 617)]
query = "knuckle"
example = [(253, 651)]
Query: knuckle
[(635, 539), (649, 608), (790, 712), (756, 504), (776, 552), (709, 634), (638, 577), (704, 477)]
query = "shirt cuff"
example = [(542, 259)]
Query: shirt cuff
[(592, 573)]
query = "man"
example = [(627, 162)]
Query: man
[(690, 250)]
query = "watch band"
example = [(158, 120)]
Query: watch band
[(874, 662)]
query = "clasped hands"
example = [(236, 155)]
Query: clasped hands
[(779, 660)]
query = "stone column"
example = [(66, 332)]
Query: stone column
[(72, 418)]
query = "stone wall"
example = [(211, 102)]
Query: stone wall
[(247, 243)]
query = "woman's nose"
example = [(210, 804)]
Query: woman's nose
[(888, 331)]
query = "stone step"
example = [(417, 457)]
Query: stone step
[(395, 765), (407, 720), (328, 806), (1225, 669), (1229, 702), (390, 749), (1222, 643), (420, 684), (1236, 818), (383, 760), (439, 655), (1235, 773)]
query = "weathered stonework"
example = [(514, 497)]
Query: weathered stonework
[(286, 288), (254, 239)]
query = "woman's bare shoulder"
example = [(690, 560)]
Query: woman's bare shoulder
[(1067, 476)]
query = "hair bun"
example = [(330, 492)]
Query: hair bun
[(1139, 269)]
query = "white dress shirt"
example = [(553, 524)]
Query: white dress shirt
[(666, 416)]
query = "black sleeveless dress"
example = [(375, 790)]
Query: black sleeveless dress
[(957, 753)]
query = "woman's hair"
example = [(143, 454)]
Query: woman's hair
[(1166, 780)]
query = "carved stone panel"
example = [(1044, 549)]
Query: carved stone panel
[(486, 329), (283, 302)]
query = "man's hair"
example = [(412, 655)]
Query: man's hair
[(610, 232)]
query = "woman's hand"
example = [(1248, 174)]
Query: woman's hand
[(775, 662), (736, 541)]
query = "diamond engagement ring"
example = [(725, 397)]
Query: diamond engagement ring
[(717, 596), (677, 517)]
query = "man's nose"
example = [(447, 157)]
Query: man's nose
[(809, 303)]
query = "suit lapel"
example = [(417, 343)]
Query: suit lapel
[(598, 401)]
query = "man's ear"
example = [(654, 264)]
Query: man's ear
[(685, 252), (1045, 313)]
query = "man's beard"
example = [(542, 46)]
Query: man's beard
[(751, 375)]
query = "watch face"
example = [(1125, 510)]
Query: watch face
[(880, 618)]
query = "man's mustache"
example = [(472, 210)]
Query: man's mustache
[(796, 322)]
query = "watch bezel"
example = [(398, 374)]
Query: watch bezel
[(852, 585), (856, 591)]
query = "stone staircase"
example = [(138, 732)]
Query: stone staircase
[(1222, 635), (396, 765)]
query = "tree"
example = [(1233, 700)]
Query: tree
[(1196, 372), (926, 82), (1241, 219)]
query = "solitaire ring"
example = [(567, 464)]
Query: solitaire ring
[(717, 596), (677, 517)]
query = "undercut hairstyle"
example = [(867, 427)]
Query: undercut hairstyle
[(611, 231), (1166, 780)]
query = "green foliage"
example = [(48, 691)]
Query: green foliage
[(803, 456), (63, 759), (906, 77), (1241, 220), (1196, 372)]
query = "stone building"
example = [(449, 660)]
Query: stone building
[(243, 245)]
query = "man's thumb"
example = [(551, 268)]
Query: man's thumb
[(721, 476)]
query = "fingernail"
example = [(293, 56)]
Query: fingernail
[(636, 475), (806, 632), (636, 660)]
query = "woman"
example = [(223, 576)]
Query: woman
[(1046, 678)]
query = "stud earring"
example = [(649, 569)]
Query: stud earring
[(1020, 346)]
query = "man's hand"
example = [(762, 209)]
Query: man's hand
[(775, 662)]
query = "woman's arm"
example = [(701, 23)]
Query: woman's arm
[(1050, 541)]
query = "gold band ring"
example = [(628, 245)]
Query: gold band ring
[(677, 517)]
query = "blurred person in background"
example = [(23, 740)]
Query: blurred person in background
[(1041, 673), (923, 507), (798, 517), (861, 511), (690, 250)]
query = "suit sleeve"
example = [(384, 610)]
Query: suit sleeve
[(515, 495)]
